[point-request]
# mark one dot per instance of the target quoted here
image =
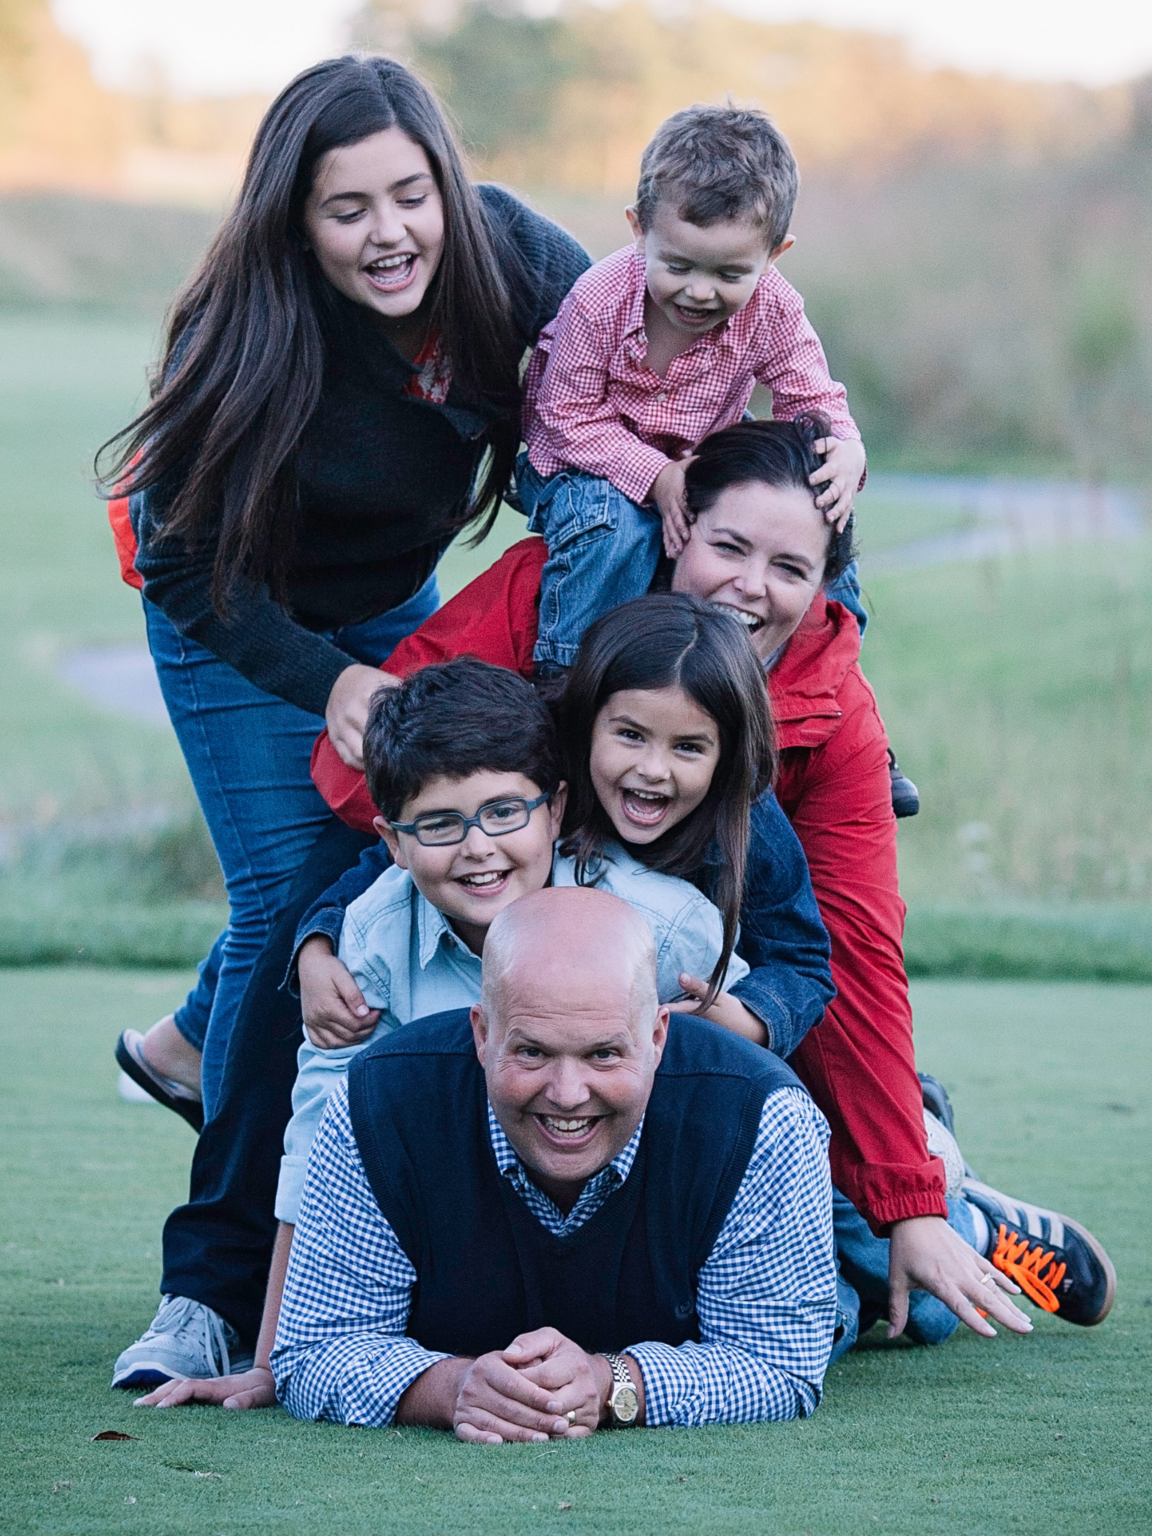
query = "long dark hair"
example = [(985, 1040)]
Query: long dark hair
[(779, 453), (244, 360), (668, 640)]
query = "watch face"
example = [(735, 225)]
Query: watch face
[(625, 1405)]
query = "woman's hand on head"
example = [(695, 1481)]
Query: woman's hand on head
[(348, 706), (335, 1013), (839, 475), (251, 1389), (726, 1010)]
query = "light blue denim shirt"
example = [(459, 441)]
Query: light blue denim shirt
[(409, 963)]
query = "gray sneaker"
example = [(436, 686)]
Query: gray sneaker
[(186, 1339)]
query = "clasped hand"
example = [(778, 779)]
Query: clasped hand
[(527, 1391), (346, 713)]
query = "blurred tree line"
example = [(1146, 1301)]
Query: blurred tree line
[(975, 251)]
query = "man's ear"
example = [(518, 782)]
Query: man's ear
[(634, 225), (660, 1033), (391, 839), (479, 1032), (556, 808), (786, 244)]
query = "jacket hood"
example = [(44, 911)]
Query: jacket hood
[(805, 684)]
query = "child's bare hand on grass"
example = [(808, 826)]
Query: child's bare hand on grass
[(726, 1010), (335, 1013), (668, 494), (844, 463), (250, 1389)]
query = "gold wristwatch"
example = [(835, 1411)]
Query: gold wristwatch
[(623, 1400)]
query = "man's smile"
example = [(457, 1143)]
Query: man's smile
[(565, 1131)]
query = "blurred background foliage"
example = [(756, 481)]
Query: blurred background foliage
[(976, 253)]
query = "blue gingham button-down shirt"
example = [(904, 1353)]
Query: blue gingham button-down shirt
[(766, 1295), (409, 963)]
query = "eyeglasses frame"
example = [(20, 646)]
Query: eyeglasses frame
[(474, 821)]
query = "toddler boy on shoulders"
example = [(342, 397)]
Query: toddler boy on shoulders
[(659, 345)]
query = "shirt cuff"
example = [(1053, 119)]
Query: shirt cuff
[(330, 922), (636, 477), (766, 1006), (290, 1187)]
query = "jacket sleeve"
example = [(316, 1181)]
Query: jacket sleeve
[(859, 1065), (326, 914), (259, 639), (782, 936), (494, 618)]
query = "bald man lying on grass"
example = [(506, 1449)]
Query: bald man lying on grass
[(562, 1211)]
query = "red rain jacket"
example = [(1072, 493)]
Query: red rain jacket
[(834, 787)]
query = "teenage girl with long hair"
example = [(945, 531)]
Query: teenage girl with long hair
[(338, 397)]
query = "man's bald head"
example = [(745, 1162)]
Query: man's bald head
[(576, 942), (569, 1031)]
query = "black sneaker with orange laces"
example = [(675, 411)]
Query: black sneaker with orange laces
[(1057, 1263)]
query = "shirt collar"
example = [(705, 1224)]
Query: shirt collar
[(509, 1164), (433, 929)]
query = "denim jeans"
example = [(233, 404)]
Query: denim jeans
[(862, 1279), (846, 590), (603, 550), (248, 755)]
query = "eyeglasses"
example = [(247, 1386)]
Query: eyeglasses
[(440, 829)]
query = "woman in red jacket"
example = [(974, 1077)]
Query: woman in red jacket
[(759, 547)]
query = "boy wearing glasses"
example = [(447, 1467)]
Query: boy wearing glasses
[(462, 763)]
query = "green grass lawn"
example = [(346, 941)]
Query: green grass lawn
[(1049, 1433)]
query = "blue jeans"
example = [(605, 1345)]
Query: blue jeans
[(603, 550), (846, 589), (862, 1279), (248, 755)]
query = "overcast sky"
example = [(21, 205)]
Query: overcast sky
[(235, 45)]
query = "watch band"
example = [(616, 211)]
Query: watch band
[(623, 1400)]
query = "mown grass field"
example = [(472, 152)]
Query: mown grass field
[(1047, 1433)]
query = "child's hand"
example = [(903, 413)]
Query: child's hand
[(844, 461), (334, 1009), (727, 1010), (668, 494)]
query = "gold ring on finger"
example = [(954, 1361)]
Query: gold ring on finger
[(571, 1416)]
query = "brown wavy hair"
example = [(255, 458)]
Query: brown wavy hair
[(669, 640), (244, 360)]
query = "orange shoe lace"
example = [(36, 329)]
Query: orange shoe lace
[(1024, 1263)]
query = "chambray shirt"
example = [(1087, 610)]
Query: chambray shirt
[(409, 963), (766, 1295)]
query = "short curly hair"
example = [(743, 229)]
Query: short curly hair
[(718, 163), (453, 719)]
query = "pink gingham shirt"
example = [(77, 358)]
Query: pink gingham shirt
[(592, 403)]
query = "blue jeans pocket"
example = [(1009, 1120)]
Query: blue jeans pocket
[(570, 507)]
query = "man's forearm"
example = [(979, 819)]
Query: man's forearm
[(431, 1399)]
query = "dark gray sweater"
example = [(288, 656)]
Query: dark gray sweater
[(382, 481)]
